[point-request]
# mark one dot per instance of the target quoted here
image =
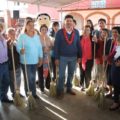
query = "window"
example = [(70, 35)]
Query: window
[(98, 3)]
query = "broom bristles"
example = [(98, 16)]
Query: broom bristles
[(76, 81), (97, 95), (52, 89), (90, 90), (18, 101), (31, 102), (101, 102)]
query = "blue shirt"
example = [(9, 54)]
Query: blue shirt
[(32, 46), (62, 48), (3, 50)]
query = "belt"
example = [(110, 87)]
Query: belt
[(3, 63)]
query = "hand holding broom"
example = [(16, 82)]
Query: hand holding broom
[(17, 99), (31, 100)]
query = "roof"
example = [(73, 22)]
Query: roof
[(50, 3)]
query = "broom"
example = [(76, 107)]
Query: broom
[(101, 100), (31, 100), (76, 81), (101, 96), (18, 101), (52, 83), (90, 90), (52, 86)]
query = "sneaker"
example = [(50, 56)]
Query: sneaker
[(6, 101)]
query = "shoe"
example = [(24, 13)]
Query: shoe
[(6, 101), (114, 107), (71, 92), (60, 96), (36, 97)]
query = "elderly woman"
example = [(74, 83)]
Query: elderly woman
[(43, 71), (31, 54)]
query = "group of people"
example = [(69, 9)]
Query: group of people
[(34, 50)]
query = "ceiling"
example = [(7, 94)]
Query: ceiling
[(49, 3)]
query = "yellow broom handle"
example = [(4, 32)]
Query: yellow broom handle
[(13, 61), (26, 75)]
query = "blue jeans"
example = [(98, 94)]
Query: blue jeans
[(4, 80), (69, 62), (18, 79), (31, 73)]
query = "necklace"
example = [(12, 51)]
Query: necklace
[(69, 41)]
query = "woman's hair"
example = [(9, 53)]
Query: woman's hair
[(92, 26), (43, 26), (106, 30), (27, 22), (117, 28)]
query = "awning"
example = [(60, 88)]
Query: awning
[(50, 3)]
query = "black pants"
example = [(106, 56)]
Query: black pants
[(85, 75), (116, 93), (108, 75), (41, 79), (53, 66)]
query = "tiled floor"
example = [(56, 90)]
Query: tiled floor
[(79, 107)]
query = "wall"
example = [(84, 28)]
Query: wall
[(112, 16)]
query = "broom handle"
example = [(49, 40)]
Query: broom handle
[(48, 60), (109, 52), (94, 55), (26, 75), (13, 61), (104, 52)]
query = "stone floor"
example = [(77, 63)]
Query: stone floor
[(79, 107)]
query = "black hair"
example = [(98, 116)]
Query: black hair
[(102, 19), (45, 26), (55, 24), (29, 18), (106, 30), (52, 33), (116, 28), (75, 21), (43, 14), (69, 16), (92, 26)]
